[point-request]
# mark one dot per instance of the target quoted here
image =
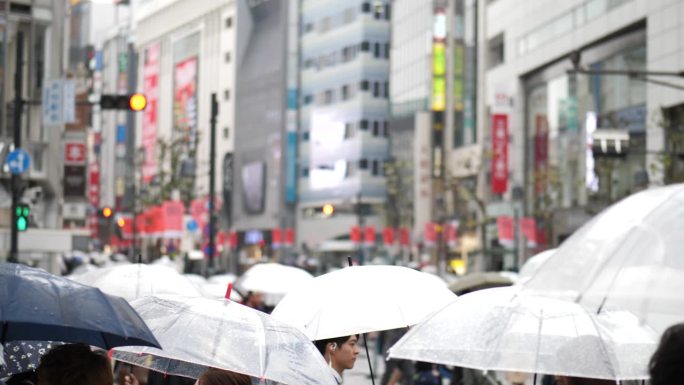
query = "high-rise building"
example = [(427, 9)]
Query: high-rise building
[(344, 118)]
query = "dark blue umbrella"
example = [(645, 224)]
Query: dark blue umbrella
[(23, 356), (38, 306)]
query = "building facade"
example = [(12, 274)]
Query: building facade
[(344, 118), (583, 133), (186, 51)]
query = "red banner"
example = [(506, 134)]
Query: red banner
[(388, 236), (369, 235), (506, 228), (528, 228), (499, 171), (452, 234), (149, 122), (185, 99), (404, 237), (172, 224), (430, 234), (289, 237), (233, 240), (276, 238), (355, 234)]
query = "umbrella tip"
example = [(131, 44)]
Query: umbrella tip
[(229, 289)]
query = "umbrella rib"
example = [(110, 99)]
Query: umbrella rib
[(604, 348), (508, 320)]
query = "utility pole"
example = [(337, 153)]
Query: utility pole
[(16, 178), (212, 181)]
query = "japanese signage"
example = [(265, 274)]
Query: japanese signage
[(149, 123), (499, 169)]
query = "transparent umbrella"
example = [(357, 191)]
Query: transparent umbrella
[(501, 329), (532, 265), (629, 256), (273, 280), (362, 299), (197, 333), (138, 280)]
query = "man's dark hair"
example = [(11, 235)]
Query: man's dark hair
[(75, 364), (667, 363), (223, 377), (321, 344)]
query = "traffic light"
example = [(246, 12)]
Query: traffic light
[(328, 209), (106, 212), (23, 211), (120, 223), (131, 102)]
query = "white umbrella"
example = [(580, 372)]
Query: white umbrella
[(273, 280), (138, 280), (198, 333), (532, 265), (361, 299), (501, 329), (629, 256)]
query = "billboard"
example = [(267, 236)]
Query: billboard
[(185, 99), (149, 123), (253, 184)]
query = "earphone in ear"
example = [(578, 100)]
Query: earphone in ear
[(334, 346)]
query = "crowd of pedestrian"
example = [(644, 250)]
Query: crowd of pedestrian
[(79, 364)]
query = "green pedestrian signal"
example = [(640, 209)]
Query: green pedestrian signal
[(23, 211)]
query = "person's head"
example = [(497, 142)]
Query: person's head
[(222, 377), (254, 299), (667, 363), (562, 380), (339, 352), (74, 364)]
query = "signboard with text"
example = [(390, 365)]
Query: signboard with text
[(499, 168)]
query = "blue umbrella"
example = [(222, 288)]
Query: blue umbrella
[(23, 356), (38, 306)]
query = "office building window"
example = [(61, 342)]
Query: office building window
[(365, 46), (366, 7), (365, 85), (385, 92), (308, 99), (375, 167), (226, 132), (376, 128), (376, 50), (376, 89), (349, 130), (226, 57), (345, 92), (328, 97), (387, 50), (385, 129), (496, 50), (363, 164), (226, 95), (305, 172), (305, 136), (229, 22), (363, 124)]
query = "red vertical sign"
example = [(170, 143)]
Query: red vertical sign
[(233, 240), (430, 234), (289, 237), (528, 228), (506, 229), (452, 234), (355, 234), (276, 238), (369, 235), (404, 237), (149, 123), (388, 236), (499, 171)]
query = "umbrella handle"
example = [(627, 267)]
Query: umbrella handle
[(370, 367)]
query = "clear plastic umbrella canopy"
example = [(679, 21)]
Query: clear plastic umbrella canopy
[(361, 299), (197, 333), (501, 329), (532, 265), (273, 280), (138, 280), (629, 256)]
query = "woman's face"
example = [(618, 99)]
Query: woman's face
[(344, 356)]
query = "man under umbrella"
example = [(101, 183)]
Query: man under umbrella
[(340, 353)]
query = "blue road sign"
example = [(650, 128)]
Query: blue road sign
[(18, 161)]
